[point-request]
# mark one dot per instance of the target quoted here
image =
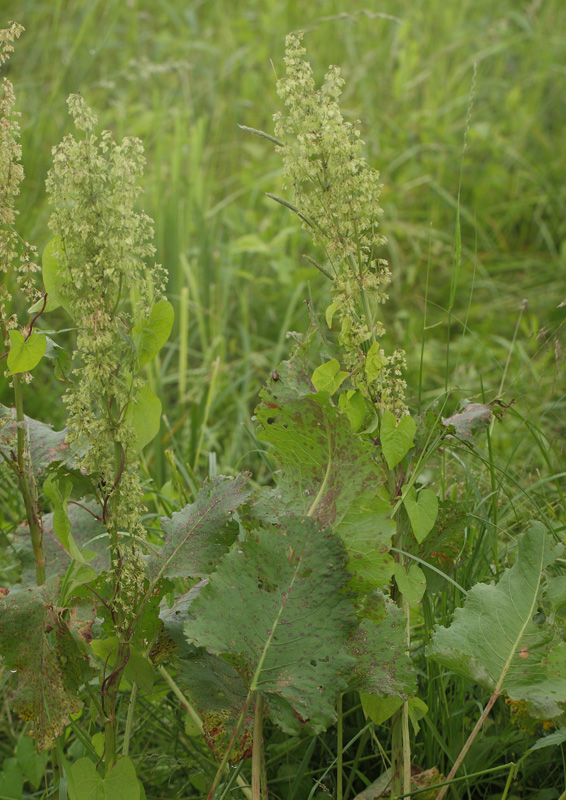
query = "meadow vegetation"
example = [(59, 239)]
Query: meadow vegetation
[(460, 108)]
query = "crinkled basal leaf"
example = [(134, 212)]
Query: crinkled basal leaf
[(214, 686), (88, 532), (495, 641), (199, 535), (48, 665), (45, 445), (327, 471), (382, 664), (474, 418), (277, 611)]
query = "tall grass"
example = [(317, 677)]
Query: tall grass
[(182, 77)]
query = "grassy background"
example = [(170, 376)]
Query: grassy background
[(462, 107)]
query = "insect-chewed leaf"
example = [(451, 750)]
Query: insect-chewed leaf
[(276, 610), (46, 674), (198, 536), (495, 640)]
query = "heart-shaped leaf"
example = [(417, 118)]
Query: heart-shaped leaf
[(25, 354), (328, 378), (119, 783), (422, 509), (411, 582), (396, 437)]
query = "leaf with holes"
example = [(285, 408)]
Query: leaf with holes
[(276, 610), (495, 640), (199, 535)]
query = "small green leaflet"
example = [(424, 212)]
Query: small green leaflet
[(25, 354), (396, 439), (422, 509), (59, 492), (120, 783), (411, 582), (144, 415), (53, 269), (328, 378), (375, 361), (495, 640), (354, 406), (150, 335)]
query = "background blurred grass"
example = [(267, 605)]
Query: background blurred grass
[(462, 107), (428, 80)]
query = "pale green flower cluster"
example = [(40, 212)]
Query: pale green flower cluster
[(93, 186), (337, 196), (16, 255)]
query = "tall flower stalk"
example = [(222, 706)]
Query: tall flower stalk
[(336, 195)]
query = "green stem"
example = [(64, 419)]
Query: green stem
[(257, 750), (195, 718), (468, 744), (130, 720), (28, 486), (339, 754)]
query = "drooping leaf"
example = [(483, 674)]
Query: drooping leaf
[(119, 783), (375, 361), (199, 535), (473, 418), (495, 640), (87, 531), (144, 415), (47, 673), (150, 335), (59, 492), (44, 444), (550, 740), (382, 664), (422, 509), (25, 354), (396, 437), (276, 610)]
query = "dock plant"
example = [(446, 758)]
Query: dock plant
[(251, 603)]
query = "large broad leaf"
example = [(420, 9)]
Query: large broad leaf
[(327, 470), (44, 444), (88, 532), (382, 664), (215, 688), (48, 665), (199, 535), (277, 611), (497, 639)]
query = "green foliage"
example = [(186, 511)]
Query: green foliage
[(496, 640), (342, 532)]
